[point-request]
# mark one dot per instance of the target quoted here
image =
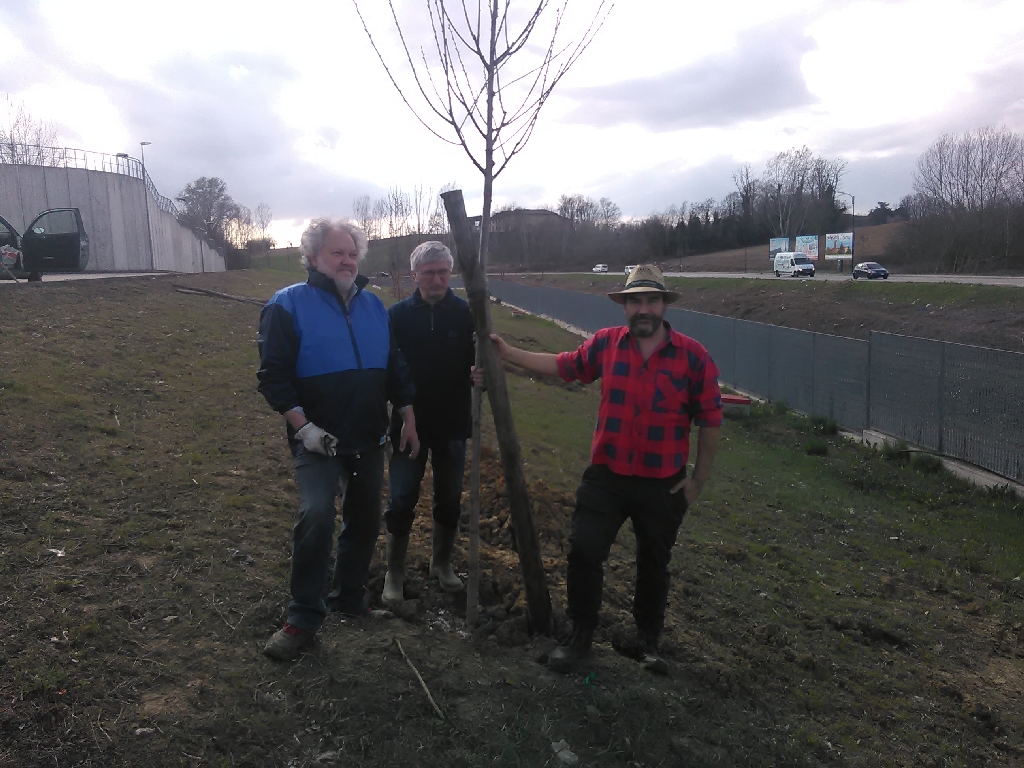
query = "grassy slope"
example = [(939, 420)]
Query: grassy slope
[(812, 589)]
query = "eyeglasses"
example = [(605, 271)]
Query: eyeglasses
[(430, 274)]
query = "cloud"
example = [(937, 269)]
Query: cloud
[(758, 78), (216, 117)]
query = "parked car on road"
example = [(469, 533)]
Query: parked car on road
[(793, 264), (600, 268), (629, 268), (55, 241), (870, 270)]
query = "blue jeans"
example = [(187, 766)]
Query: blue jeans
[(448, 461), (604, 501), (359, 478)]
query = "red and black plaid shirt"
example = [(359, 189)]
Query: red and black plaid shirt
[(643, 425)]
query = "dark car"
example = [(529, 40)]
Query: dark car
[(870, 270), (55, 241)]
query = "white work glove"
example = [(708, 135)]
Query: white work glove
[(317, 440)]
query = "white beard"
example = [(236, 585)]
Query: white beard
[(344, 285)]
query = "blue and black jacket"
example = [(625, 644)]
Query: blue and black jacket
[(340, 364), (437, 342)]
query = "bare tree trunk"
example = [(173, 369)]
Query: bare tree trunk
[(538, 601)]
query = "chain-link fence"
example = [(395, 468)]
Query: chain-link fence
[(957, 400)]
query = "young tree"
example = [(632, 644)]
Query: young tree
[(362, 212), (471, 94)]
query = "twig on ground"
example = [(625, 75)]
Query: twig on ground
[(420, 678), (207, 292)]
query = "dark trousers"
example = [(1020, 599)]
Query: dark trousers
[(604, 501), (358, 477), (447, 461)]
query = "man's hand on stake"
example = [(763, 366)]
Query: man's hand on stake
[(317, 440), (500, 344), (477, 375)]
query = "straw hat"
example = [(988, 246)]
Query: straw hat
[(645, 278)]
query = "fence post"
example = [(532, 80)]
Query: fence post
[(867, 383), (942, 392)]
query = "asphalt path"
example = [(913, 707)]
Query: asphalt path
[(1014, 281)]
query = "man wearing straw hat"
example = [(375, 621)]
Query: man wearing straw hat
[(655, 383)]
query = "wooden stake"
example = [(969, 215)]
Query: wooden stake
[(538, 600)]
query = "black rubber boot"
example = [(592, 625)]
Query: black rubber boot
[(647, 654), (567, 657)]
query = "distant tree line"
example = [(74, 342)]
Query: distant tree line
[(967, 210)]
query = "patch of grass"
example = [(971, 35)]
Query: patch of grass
[(823, 425), (895, 451), (927, 463), (816, 447)]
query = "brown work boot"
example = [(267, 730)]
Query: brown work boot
[(287, 643), (647, 654), (566, 657)]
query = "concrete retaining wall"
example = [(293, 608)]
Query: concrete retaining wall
[(127, 230)]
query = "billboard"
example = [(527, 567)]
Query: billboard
[(839, 246), (777, 245), (807, 245)]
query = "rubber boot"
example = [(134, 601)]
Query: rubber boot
[(394, 580), (567, 657), (441, 562)]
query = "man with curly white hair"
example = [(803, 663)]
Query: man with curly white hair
[(329, 364)]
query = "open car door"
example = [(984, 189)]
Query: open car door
[(10, 249), (55, 242)]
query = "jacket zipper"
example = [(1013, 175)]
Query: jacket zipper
[(351, 331)]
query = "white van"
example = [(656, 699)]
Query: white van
[(794, 264)]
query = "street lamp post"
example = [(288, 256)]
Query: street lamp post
[(142, 150)]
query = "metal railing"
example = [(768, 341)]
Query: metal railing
[(84, 159), (958, 400)]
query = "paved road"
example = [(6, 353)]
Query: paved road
[(1015, 281)]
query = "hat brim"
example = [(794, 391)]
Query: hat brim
[(619, 297)]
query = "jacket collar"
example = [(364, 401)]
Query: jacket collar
[(324, 283), (418, 300)]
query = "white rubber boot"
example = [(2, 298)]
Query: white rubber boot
[(394, 580), (441, 562)]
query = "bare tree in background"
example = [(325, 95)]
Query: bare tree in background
[(421, 200), (608, 214), (967, 210), (438, 223), (263, 217), (579, 209), (398, 209), (28, 141), (362, 212)]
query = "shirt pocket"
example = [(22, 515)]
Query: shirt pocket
[(671, 394)]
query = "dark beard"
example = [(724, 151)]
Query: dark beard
[(644, 332)]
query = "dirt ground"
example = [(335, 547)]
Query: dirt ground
[(986, 316), (146, 498)]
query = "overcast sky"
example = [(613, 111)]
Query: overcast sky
[(293, 108)]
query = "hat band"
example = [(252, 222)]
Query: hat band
[(645, 284)]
